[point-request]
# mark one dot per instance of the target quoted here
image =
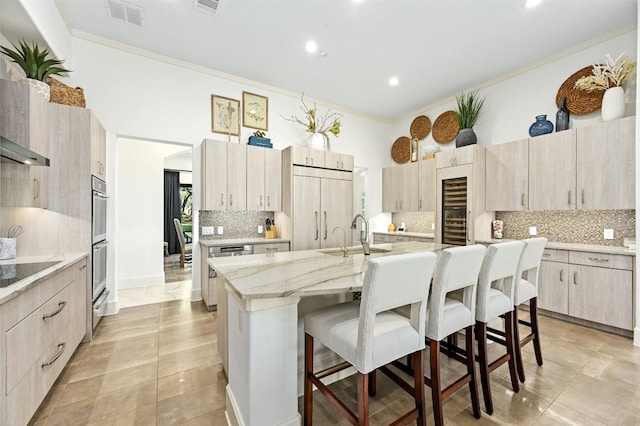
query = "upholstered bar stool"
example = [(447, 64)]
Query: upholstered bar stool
[(527, 290), (498, 277), (369, 335), (457, 270)]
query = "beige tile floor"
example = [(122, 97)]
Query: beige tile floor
[(157, 364)]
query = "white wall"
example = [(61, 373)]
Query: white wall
[(511, 105), (140, 211)]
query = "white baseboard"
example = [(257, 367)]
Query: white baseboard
[(145, 281), (196, 294), (636, 336)]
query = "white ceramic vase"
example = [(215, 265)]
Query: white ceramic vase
[(612, 104), (41, 87), (318, 141)]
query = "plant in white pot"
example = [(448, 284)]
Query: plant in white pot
[(609, 77), (468, 107), (36, 64)]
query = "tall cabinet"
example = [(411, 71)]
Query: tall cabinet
[(315, 200), (224, 176)]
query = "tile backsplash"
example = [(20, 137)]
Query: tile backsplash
[(415, 222), (575, 226), (243, 224)]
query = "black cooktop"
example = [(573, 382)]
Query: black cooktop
[(11, 273)]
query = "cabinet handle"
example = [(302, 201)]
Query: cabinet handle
[(546, 254), (561, 275), (337, 164), (317, 231), (312, 161), (420, 205), (569, 198), (261, 201), (61, 347), (522, 199), (83, 267), (583, 196), (268, 200), (61, 306), (466, 230), (451, 161), (222, 198), (36, 189), (396, 204), (342, 164), (230, 200), (326, 225), (599, 259), (575, 278), (306, 160)]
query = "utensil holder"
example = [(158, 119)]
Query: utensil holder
[(7, 248), (271, 233)]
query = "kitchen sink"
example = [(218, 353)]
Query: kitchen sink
[(353, 250)]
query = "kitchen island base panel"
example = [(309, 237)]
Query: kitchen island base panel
[(262, 336)]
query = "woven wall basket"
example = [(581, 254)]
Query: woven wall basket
[(66, 95)]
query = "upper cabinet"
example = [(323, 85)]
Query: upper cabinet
[(409, 187), (552, 171), (507, 176), (334, 160), (426, 185), (305, 156), (98, 149), (23, 120), (590, 168), (455, 157), (224, 176), (264, 179), (606, 165)]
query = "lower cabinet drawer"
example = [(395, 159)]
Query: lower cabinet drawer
[(381, 238), (601, 260), (270, 247)]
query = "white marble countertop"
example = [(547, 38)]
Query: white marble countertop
[(594, 248), (214, 243), (19, 287), (305, 273), (410, 234)]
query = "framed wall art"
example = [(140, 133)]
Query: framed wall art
[(225, 115), (255, 111)]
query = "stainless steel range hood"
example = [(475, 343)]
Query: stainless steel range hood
[(13, 153)]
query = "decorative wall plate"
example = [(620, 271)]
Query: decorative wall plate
[(445, 128), (579, 101), (420, 127), (401, 150)]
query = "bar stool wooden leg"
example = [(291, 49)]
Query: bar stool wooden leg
[(483, 363), (511, 343), (308, 385), (517, 347), (363, 399), (533, 309), (471, 370), (418, 385), (436, 382)]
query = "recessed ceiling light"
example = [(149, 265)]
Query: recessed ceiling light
[(393, 81), (311, 46), (532, 3)]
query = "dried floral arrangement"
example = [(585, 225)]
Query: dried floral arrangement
[(613, 73), (329, 122)]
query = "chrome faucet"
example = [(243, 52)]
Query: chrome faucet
[(345, 253), (363, 232)]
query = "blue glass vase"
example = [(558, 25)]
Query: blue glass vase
[(542, 126)]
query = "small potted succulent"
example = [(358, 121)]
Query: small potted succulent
[(36, 65), (468, 107)]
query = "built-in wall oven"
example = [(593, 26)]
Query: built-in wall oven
[(99, 249)]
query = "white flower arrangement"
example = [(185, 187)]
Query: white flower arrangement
[(613, 73)]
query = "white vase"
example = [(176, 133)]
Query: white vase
[(41, 87), (318, 141), (612, 104)]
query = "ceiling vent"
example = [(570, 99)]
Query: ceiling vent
[(209, 6), (125, 12)]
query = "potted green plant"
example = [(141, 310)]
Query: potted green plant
[(36, 64), (468, 107)]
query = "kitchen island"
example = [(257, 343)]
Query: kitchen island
[(266, 295)]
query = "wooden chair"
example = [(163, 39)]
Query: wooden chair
[(369, 334), (185, 249), (526, 289)]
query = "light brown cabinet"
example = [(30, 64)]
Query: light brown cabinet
[(552, 171), (606, 165), (224, 176), (592, 286), (400, 188), (41, 329), (314, 202), (98, 149), (23, 120), (270, 248), (305, 156), (507, 176), (264, 179), (426, 185), (381, 237), (337, 161)]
